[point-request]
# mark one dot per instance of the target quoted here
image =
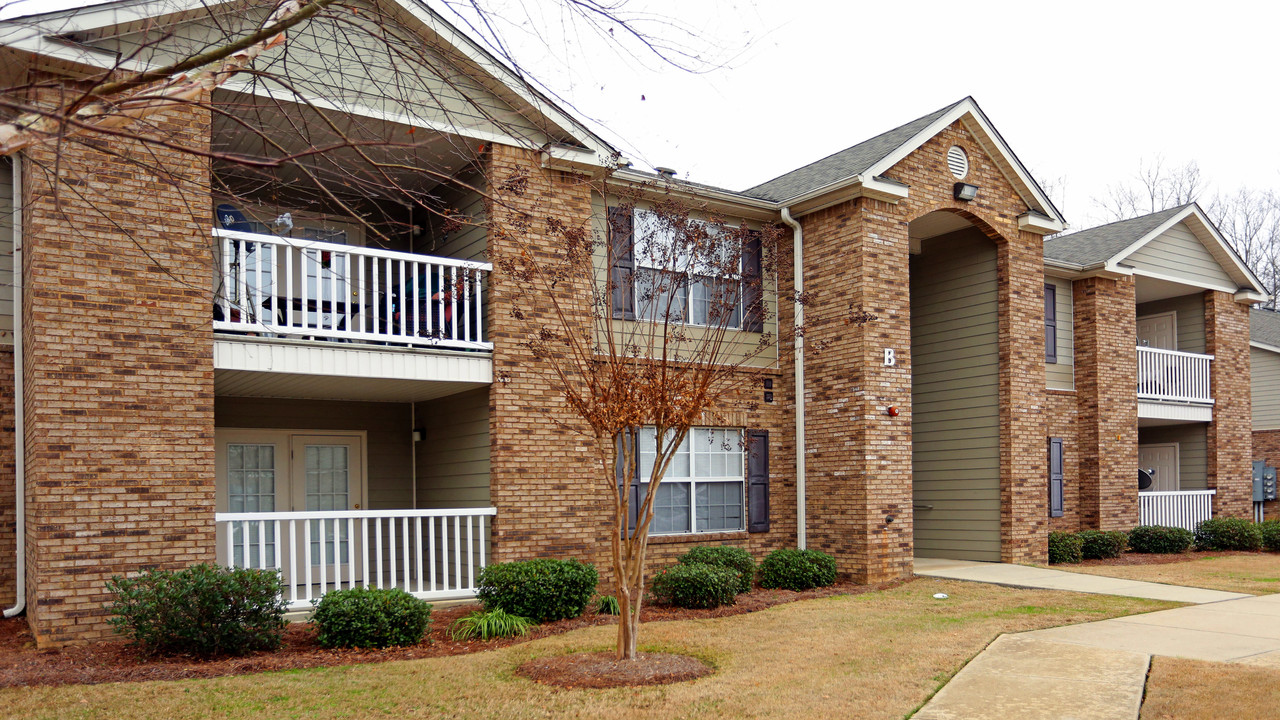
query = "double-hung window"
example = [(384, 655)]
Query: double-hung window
[(702, 489), (684, 279)]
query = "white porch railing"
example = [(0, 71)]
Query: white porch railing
[(292, 287), (1184, 508), (431, 554), (1174, 376)]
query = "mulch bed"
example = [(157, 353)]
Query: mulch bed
[(602, 670), (1157, 559), (22, 664)]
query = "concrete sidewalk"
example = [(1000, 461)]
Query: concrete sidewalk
[(1099, 669)]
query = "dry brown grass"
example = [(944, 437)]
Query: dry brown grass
[(1198, 690), (878, 655), (1255, 574)]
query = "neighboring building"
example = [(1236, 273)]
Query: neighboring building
[(995, 396), (1264, 354)]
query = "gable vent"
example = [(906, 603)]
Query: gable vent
[(958, 161)]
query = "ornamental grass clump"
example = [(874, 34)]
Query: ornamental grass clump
[(1065, 547), (543, 590), (370, 618), (696, 585), (1228, 533), (489, 624), (724, 556), (1159, 539), (204, 610), (789, 569)]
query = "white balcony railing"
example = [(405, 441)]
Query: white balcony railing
[(1184, 508), (1173, 376), (299, 288), (431, 554)]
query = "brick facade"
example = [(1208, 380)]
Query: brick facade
[(1230, 435), (8, 502), (1266, 446), (1061, 408), (119, 372)]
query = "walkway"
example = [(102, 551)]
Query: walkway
[(1097, 670)]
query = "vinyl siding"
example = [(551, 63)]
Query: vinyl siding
[(6, 251), (453, 457), (464, 242), (1265, 380), (1193, 451), (1178, 254), (1190, 318), (387, 426), (955, 373), (1060, 375)]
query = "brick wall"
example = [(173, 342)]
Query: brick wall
[(119, 374), (544, 481), (1061, 408), (8, 507), (1266, 446), (1106, 378), (1230, 435)]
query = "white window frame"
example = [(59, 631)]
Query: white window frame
[(641, 236), (693, 480)]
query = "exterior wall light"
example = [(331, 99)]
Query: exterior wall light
[(891, 411), (965, 191)]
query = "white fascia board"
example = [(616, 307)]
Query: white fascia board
[(843, 190), (1065, 271), (560, 157), (1040, 224), (1219, 248), (1138, 272), (720, 200), (1224, 250), (1250, 297), (968, 110), (1264, 346)]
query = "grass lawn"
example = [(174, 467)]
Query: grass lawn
[(1195, 690), (878, 655), (1255, 574)]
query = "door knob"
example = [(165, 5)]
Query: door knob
[(357, 506)]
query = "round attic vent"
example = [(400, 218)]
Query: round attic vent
[(958, 161)]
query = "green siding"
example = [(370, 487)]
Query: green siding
[(1265, 380), (453, 457), (956, 416), (1190, 318), (1177, 253), (1060, 375), (1193, 451)]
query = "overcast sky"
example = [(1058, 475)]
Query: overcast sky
[(1082, 91)]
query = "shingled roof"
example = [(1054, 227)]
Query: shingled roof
[(844, 164), (1097, 245), (1264, 327)]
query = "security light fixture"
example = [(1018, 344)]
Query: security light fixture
[(965, 191)]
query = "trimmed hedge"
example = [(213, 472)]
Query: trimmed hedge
[(1159, 539), (543, 589), (1065, 547), (724, 556), (204, 610), (370, 617), (1099, 544), (791, 569), (1228, 533), (1270, 530), (696, 585)]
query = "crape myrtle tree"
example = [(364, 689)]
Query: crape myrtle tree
[(658, 313)]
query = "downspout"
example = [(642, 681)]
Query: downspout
[(19, 411), (797, 257)]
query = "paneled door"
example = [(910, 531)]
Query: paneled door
[(1158, 331), (1162, 461), (327, 476)]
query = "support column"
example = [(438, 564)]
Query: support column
[(1229, 436)]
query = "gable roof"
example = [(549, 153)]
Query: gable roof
[(867, 161), (1108, 246), (1264, 329)]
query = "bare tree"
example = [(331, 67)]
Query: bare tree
[(1155, 187), (1250, 220)]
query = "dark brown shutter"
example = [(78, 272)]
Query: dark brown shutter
[(758, 481), (752, 290), (629, 479), (621, 273), (1050, 323), (1055, 477)]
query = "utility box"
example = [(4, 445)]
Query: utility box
[(1264, 481)]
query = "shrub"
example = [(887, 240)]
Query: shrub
[(797, 569), (1228, 533), (1065, 547), (484, 625), (1159, 539), (1270, 530), (696, 585), (608, 605), (542, 590), (1099, 544), (725, 556), (370, 617), (204, 610)]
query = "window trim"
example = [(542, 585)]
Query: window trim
[(690, 278), (693, 481)]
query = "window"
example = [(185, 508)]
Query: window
[(1050, 323), (702, 490), (671, 285)]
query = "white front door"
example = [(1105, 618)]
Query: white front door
[(1162, 461), (326, 476), (1158, 331)]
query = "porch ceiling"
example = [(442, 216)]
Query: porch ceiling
[(251, 367)]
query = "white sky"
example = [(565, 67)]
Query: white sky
[(1082, 91)]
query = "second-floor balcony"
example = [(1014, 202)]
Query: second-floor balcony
[(1174, 377), (290, 288)]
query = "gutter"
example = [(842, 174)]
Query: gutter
[(797, 262), (19, 432)]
